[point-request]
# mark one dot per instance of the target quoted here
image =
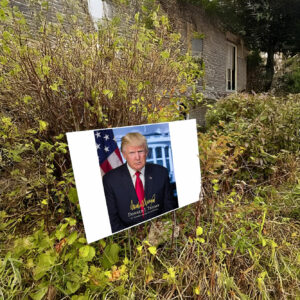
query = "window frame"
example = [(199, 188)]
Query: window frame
[(227, 68), (197, 54)]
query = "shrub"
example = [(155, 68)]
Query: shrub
[(260, 130), (74, 78), (292, 77), (67, 76)]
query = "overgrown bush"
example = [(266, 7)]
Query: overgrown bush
[(287, 78), (230, 245), (254, 133), (74, 78), (67, 76), (250, 171), (292, 76)]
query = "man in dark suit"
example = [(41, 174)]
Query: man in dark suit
[(136, 191)]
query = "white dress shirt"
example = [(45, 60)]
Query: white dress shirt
[(133, 176)]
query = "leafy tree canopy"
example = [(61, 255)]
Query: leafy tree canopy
[(263, 23)]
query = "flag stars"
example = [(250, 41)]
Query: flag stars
[(98, 146), (106, 137), (98, 134), (106, 149)]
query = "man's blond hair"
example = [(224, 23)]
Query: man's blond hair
[(134, 139)]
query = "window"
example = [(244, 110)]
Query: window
[(160, 154), (99, 10), (231, 74), (197, 47)]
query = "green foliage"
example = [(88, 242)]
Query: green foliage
[(241, 241), (257, 131), (67, 76), (80, 78), (263, 24), (61, 261), (292, 76), (110, 256)]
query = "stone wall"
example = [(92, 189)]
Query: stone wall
[(30, 8), (188, 19)]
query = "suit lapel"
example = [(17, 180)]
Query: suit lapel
[(128, 184), (148, 182)]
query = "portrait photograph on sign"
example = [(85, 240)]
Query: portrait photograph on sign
[(129, 175), (138, 174)]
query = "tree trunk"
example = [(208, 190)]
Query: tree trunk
[(269, 69)]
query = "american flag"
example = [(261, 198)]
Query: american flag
[(108, 152)]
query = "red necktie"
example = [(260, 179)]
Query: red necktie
[(139, 190)]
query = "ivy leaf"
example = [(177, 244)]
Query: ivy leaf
[(54, 87), (39, 294), (110, 255), (139, 248), (80, 297), (71, 221), (45, 262), (26, 99), (72, 195), (108, 93), (172, 273), (72, 287), (61, 231), (140, 86), (72, 237), (87, 252), (6, 35), (84, 251)]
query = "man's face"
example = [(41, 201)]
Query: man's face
[(135, 156)]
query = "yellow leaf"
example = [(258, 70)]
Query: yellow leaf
[(54, 87), (200, 240), (43, 125), (107, 274), (273, 244), (126, 261), (197, 290), (149, 278), (45, 202), (171, 272), (152, 250), (26, 99), (199, 230)]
